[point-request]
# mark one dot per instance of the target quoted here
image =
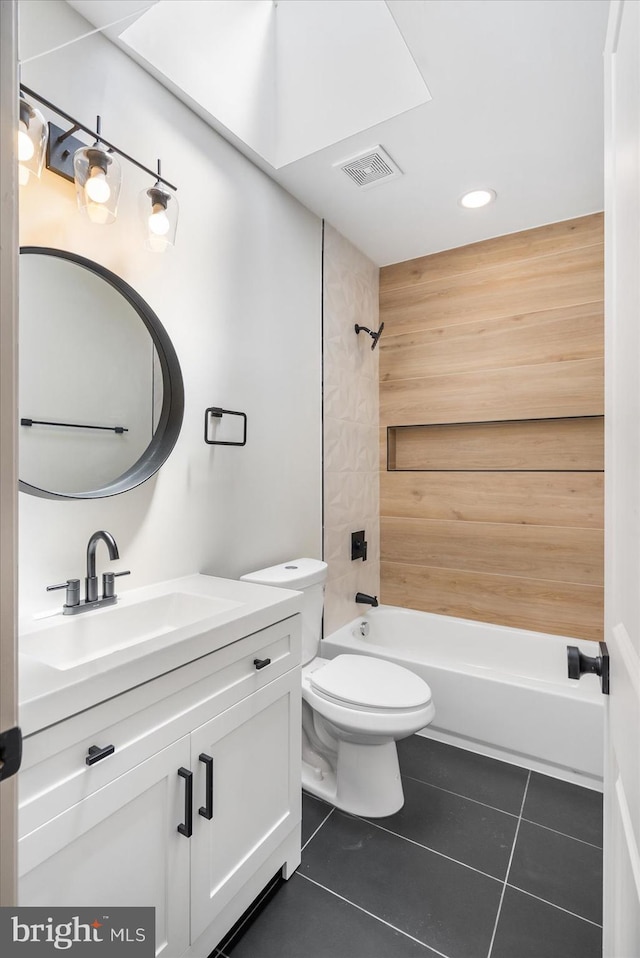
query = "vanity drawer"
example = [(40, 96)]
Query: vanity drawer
[(55, 774)]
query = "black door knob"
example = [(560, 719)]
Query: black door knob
[(580, 664)]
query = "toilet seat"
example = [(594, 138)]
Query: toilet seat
[(363, 682), (369, 724)]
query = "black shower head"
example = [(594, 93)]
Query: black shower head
[(375, 336)]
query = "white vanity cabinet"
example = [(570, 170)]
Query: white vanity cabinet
[(119, 846), (212, 747)]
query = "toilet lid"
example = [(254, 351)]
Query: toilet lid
[(370, 683)]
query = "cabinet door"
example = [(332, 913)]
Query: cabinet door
[(119, 846), (255, 797)]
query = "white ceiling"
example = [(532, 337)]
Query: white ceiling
[(517, 106), (283, 79)]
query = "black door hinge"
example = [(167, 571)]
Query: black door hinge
[(10, 752)]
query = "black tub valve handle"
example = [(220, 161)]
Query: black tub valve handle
[(579, 664)]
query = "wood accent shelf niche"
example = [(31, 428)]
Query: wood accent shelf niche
[(561, 444)]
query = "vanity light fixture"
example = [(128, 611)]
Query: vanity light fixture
[(477, 198), (159, 214), (98, 176), (32, 142), (97, 173)]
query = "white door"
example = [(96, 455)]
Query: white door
[(119, 846), (8, 429), (622, 523)]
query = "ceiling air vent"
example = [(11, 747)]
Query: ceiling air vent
[(371, 168)]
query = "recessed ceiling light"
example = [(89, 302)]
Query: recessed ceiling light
[(477, 198)]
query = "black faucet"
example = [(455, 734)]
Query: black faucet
[(73, 605), (91, 581), (363, 599)]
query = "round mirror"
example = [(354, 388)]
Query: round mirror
[(101, 392)]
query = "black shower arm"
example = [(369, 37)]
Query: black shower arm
[(375, 336)]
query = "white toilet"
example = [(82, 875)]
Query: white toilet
[(354, 708)]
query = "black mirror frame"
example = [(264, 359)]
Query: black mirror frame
[(172, 412)]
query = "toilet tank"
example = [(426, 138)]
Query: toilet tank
[(307, 576)]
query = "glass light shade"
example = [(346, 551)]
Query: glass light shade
[(32, 142), (159, 218), (98, 177)]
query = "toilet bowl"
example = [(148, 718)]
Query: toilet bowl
[(354, 708)]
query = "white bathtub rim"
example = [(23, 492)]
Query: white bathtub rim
[(469, 624), (586, 689)]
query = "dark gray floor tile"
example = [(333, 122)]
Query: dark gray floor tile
[(314, 812), (529, 928), (471, 833), (559, 869), (305, 921), (439, 902), (474, 776), (566, 807)]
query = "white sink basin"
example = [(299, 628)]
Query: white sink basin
[(88, 636)]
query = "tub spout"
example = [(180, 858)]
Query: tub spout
[(363, 599)]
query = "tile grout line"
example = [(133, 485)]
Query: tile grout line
[(427, 848), (564, 834), (503, 575), (553, 905), (506, 877), (467, 798), (478, 870), (371, 915), (456, 861), (327, 816), (495, 808)]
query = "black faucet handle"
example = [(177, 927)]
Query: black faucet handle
[(358, 546), (73, 591), (108, 586)]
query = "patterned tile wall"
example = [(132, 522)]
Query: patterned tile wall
[(351, 478)]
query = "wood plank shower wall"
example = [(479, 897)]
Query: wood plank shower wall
[(491, 503)]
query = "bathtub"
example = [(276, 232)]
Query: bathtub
[(499, 691)]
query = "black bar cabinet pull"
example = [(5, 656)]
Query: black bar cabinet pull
[(261, 663), (96, 754), (207, 810), (186, 828)]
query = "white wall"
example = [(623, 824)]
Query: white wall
[(351, 456), (240, 297)]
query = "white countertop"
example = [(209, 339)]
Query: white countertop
[(48, 694)]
